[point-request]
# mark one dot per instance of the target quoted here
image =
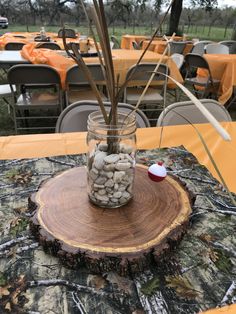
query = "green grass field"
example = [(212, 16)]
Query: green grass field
[(201, 32)]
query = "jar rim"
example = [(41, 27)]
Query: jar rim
[(96, 119)]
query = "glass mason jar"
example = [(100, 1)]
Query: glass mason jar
[(84, 44), (111, 160)]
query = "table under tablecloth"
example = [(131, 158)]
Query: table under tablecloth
[(196, 275), (223, 68), (224, 153), (28, 37)]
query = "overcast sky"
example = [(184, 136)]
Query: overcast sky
[(231, 3), (221, 3)]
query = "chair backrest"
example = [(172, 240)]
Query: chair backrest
[(231, 44), (178, 59), (194, 61), (143, 72), (14, 46), (33, 75), (198, 47), (137, 45), (69, 33), (177, 47), (69, 45), (52, 46), (19, 36), (116, 44), (216, 48), (74, 117), (186, 112), (75, 76)]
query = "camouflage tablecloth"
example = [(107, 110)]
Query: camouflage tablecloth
[(197, 274)]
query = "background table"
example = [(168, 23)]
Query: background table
[(126, 40), (9, 58), (122, 61), (160, 45), (223, 68), (29, 38)]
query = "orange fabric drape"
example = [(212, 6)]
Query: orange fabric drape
[(41, 145), (47, 56), (223, 68)]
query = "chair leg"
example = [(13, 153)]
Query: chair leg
[(14, 118), (177, 95)]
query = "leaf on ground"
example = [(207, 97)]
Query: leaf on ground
[(17, 225), (223, 262), (182, 287), (3, 280), (207, 238), (150, 287), (4, 291), (123, 284), (11, 295), (19, 176), (8, 306), (213, 255), (21, 210), (97, 281)]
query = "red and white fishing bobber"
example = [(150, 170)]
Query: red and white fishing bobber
[(157, 172)]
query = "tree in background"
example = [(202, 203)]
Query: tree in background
[(176, 11)]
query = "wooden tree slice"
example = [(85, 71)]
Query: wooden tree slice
[(67, 224)]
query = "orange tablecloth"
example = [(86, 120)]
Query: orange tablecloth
[(229, 309), (28, 146), (160, 45), (29, 38), (223, 68), (122, 60), (126, 40)]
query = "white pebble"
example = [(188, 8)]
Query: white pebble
[(123, 166), (111, 159), (99, 160)]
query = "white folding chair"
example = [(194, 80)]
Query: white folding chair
[(198, 47), (186, 112), (78, 87), (74, 117), (216, 49), (231, 44), (153, 100)]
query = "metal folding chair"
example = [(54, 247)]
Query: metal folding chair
[(69, 33), (186, 112), (49, 45), (14, 45), (38, 90), (153, 100), (203, 86), (77, 85), (177, 47), (199, 47), (231, 44), (115, 41), (216, 49), (74, 117)]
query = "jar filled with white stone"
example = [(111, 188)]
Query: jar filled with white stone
[(111, 160)]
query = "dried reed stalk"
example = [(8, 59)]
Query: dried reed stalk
[(208, 154)]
